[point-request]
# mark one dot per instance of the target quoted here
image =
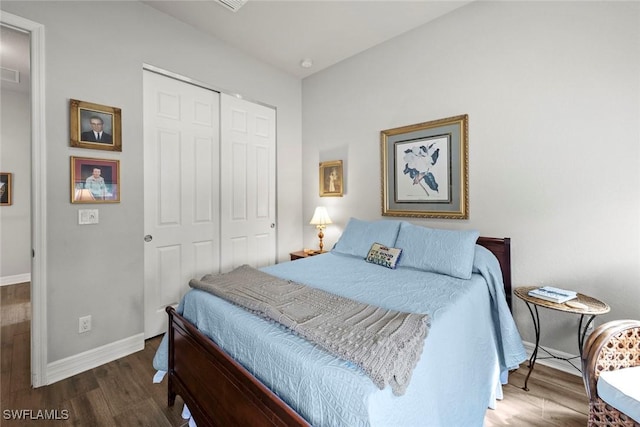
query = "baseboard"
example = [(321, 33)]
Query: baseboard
[(15, 279), (93, 358), (558, 364)]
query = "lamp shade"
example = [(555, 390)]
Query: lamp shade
[(320, 216)]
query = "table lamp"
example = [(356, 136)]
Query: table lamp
[(320, 220)]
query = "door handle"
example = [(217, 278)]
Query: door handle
[(273, 225), (148, 238)]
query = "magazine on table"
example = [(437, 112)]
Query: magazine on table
[(553, 294)]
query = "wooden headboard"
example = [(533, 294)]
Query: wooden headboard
[(501, 248)]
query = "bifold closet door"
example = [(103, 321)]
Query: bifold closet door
[(247, 184), (181, 191)]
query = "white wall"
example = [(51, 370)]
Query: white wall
[(15, 157), (98, 270), (552, 90)]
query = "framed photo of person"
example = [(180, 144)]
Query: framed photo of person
[(95, 126), (331, 179), (5, 189), (95, 180)]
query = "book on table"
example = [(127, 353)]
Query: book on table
[(553, 294)]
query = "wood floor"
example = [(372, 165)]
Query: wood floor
[(121, 393)]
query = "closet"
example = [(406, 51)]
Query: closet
[(209, 190)]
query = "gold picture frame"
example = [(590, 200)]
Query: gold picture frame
[(95, 180), (95, 126), (331, 179), (6, 189), (425, 169)]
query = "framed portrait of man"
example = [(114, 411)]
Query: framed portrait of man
[(95, 126)]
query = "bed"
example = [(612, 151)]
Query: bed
[(233, 368)]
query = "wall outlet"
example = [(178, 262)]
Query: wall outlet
[(84, 324)]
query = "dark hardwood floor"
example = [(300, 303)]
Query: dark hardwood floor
[(121, 393)]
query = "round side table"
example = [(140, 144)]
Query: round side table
[(593, 308)]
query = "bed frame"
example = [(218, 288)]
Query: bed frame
[(221, 392)]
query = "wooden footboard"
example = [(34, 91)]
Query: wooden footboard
[(217, 389), (221, 392)]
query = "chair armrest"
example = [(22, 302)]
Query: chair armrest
[(613, 345)]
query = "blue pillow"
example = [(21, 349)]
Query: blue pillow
[(447, 252), (358, 236)]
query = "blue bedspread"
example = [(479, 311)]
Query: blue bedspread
[(472, 343)]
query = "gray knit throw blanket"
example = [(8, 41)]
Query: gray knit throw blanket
[(385, 344)]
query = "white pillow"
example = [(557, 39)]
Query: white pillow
[(358, 236), (621, 389)]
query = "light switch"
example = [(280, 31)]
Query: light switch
[(87, 216)]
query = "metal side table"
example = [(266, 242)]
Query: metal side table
[(593, 307)]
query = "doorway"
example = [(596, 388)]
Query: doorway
[(36, 170), (15, 157)]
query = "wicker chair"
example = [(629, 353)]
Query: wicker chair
[(611, 346)]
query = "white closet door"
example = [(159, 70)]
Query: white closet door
[(248, 184), (181, 191)]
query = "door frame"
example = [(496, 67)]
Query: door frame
[(38, 197)]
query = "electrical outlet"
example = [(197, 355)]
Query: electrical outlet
[(84, 324)]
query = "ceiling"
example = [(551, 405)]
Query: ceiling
[(283, 33)]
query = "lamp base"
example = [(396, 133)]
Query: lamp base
[(320, 236)]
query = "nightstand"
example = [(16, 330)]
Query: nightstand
[(591, 307), (302, 254)]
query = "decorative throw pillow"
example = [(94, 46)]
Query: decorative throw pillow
[(359, 235), (384, 256)]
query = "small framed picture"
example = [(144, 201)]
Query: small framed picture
[(95, 126), (331, 179), (5, 189), (95, 180)]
